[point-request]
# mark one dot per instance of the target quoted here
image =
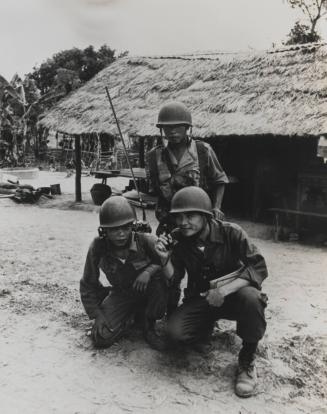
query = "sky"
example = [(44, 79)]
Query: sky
[(33, 30)]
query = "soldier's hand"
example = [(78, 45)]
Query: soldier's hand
[(162, 247), (101, 327), (141, 282), (218, 214), (215, 298)]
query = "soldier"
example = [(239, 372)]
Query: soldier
[(182, 162), (225, 271), (128, 260)]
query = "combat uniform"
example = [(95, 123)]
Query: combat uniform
[(121, 302), (226, 249)]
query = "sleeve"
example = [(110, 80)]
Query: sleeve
[(178, 265), (216, 174), (179, 270), (91, 289), (255, 265)]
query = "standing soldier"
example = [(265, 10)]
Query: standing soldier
[(225, 272), (183, 162), (128, 260)]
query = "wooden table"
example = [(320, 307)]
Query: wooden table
[(125, 172)]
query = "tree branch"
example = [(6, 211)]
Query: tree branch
[(306, 7)]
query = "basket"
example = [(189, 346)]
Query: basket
[(100, 193)]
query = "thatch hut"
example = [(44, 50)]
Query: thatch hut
[(263, 113)]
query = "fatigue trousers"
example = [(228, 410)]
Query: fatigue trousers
[(192, 321), (120, 307)]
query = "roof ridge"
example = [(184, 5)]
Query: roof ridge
[(205, 54)]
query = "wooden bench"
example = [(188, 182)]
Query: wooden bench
[(298, 213)]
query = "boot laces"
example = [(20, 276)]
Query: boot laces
[(246, 364)]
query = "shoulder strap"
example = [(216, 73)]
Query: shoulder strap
[(152, 162), (170, 165)]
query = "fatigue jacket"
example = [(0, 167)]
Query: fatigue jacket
[(121, 276), (226, 249), (198, 166)]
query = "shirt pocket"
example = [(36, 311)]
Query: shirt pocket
[(215, 255), (140, 263)]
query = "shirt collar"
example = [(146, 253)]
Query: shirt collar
[(191, 151)]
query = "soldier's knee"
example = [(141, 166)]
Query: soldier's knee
[(252, 298)]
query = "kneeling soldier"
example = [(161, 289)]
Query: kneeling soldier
[(225, 271), (128, 260)]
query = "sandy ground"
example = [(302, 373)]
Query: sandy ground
[(48, 365)]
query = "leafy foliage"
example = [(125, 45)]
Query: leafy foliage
[(22, 101), (313, 11), (14, 116), (69, 68), (301, 34)]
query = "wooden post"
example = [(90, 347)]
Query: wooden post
[(276, 229), (78, 167), (141, 152)]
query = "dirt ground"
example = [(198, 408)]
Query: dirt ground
[(48, 365)]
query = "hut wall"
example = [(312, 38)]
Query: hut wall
[(267, 169)]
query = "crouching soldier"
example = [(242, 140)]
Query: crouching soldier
[(225, 271), (128, 260)]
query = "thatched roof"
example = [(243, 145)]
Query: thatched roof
[(281, 93)]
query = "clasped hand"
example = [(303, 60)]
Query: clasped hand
[(215, 297), (141, 282)]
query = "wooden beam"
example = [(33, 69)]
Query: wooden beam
[(78, 167)]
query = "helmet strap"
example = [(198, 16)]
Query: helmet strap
[(189, 135)]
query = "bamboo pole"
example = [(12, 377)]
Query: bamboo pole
[(78, 167)]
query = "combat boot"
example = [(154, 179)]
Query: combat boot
[(246, 378)]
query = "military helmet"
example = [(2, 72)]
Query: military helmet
[(174, 113), (116, 211), (191, 199)]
